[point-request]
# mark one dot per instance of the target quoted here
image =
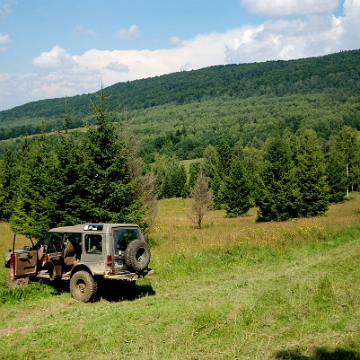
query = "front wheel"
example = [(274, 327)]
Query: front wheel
[(13, 283), (83, 286)]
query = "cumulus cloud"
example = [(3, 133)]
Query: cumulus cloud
[(55, 74), (80, 28), (132, 32), (284, 40), (349, 24), (56, 58), (315, 35), (58, 73), (290, 7)]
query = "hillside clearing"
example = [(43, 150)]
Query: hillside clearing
[(235, 290)]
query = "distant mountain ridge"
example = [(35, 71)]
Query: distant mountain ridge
[(335, 72)]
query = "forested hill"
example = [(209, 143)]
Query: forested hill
[(338, 72)]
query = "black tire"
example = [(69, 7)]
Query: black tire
[(83, 286), (137, 255), (13, 283)]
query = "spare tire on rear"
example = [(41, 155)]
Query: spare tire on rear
[(137, 255)]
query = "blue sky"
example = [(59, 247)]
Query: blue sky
[(57, 48)]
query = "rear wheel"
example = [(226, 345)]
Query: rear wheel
[(83, 286), (13, 283)]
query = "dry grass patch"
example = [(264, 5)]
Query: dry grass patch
[(174, 232)]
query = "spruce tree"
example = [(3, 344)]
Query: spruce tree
[(277, 193), (8, 183), (37, 197), (211, 163), (335, 171), (73, 183), (310, 175), (237, 191), (194, 171), (110, 194), (225, 158), (216, 186), (181, 182)]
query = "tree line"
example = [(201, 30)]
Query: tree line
[(99, 176), (286, 177)]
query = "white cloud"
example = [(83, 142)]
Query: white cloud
[(56, 58), (349, 24), (188, 67), (80, 28), (290, 7), (127, 34), (58, 73), (313, 36), (4, 39), (6, 9)]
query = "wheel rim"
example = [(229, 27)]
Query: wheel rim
[(21, 282), (81, 286), (139, 255)]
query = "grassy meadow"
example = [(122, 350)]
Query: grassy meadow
[(235, 289)]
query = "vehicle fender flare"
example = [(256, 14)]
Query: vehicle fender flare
[(81, 267)]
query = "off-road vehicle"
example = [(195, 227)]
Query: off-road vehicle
[(83, 255)]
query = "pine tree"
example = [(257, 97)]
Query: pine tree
[(310, 175), (110, 194), (237, 191), (217, 189), (8, 184), (12, 166), (335, 171), (194, 170), (37, 196), (225, 158), (160, 169), (211, 162), (73, 185), (277, 194)]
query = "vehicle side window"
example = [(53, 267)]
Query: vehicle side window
[(53, 242), (75, 239), (93, 244), (123, 237)]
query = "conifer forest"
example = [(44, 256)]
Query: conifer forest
[(281, 136)]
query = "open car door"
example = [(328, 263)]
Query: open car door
[(25, 263)]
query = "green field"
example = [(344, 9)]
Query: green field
[(236, 289)]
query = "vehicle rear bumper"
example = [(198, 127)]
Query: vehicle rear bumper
[(129, 276)]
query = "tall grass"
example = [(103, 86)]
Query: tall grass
[(235, 290)]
